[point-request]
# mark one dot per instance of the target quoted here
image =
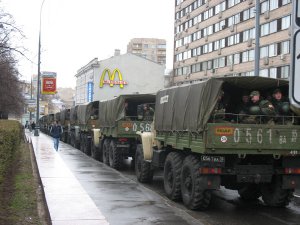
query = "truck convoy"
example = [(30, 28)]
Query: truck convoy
[(198, 148)]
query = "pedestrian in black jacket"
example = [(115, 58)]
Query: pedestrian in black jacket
[(55, 131)]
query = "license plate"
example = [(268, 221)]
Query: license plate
[(213, 159)]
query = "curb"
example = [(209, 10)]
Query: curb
[(42, 206)]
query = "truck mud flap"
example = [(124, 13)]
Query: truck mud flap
[(290, 182), (254, 173), (210, 182)]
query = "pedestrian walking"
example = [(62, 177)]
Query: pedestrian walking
[(33, 126), (56, 131)]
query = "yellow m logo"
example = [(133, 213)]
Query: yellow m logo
[(111, 78)]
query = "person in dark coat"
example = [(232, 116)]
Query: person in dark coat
[(56, 131)]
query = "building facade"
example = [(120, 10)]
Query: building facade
[(120, 74), (149, 48), (217, 38), (85, 81)]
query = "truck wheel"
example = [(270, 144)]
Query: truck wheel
[(273, 194), (193, 195), (250, 192), (95, 152), (105, 152), (143, 170), (115, 156), (172, 171), (88, 146), (82, 144)]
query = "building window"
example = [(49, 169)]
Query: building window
[(272, 50), (264, 73), (285, 47), (273, 72), (285, 22), (285, 71)]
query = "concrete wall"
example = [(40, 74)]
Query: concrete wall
[(142, 75)]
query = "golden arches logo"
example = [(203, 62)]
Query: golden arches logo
[(111, 78)]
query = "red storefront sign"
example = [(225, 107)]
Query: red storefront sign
[(48, 86)]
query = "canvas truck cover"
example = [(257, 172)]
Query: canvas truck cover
[(63, 116), (84, 112), (113, 110), (73, 114), (186, 108)]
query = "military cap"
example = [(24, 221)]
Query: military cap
[(254, 93), (276, 91)]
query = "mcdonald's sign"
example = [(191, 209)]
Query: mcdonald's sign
[(111, 78)]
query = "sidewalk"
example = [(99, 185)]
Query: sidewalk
[(80, 190), (67, 201)]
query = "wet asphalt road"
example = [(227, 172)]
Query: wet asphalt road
[(125, 201)]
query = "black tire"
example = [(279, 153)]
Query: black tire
[(105, 151), (193, 195), (273, 194), (95, 152), (250, 192), (88, 146), (172, 174), (82, 144), (115, 156), (143, 170)]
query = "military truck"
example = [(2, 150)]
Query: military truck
[(74, 130), (87, 118), (65, 123), (199, 154), (119, 121)]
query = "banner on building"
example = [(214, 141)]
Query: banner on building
[(90, 88), (49, 85)]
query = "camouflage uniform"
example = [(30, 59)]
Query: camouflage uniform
[(282, 108), (261, 107)]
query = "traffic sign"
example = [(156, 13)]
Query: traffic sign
[(294, 94)]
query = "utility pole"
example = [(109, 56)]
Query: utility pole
[(257, 37)]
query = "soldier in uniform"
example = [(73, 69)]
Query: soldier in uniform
[(148, 112), (218, 115), (243, 108), (281, 104), (259, 106)]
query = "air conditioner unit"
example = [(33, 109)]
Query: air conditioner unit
[(180, 6), (220, 15), (186, 30), (283, 57), (196, 58), (214, 70), (232, 28), (183, 61), (207, 4), (178, 20), (266, 60), (197, 26), (188, 15), (186, 46), (231, 67), (219, 51), (206, 38), (250, 2), (249, 42), (205, 72), (180, 35), (176, 49), (267, 14)]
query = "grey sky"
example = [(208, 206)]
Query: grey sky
[(76, 31)]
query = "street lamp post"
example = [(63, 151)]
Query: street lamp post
[(36, 131)]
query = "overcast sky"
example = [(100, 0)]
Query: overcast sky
[(76, 31)]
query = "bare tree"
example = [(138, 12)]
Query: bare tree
[(11, 98)]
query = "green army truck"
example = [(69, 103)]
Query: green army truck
[(199, 154), (87, 116), (65, 122), (73, 129), (119, 120)]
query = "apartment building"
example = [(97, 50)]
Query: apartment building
[(149, 48), (217, 38)]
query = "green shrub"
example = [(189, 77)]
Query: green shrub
[(10, 137)]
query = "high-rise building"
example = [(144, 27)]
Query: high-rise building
[(149, 48), (217, 38)]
